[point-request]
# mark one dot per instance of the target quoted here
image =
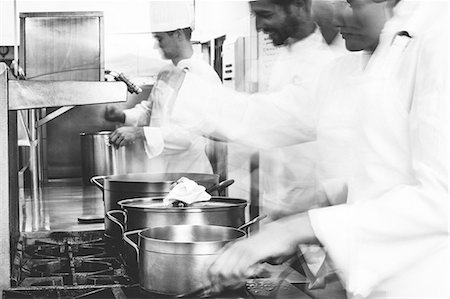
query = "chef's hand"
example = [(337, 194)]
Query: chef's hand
[(114, 114), (276, 241), (126, 135)]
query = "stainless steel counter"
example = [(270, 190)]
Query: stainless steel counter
[(60, 204)]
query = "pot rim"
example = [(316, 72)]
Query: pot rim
[(126, 205), (142, 177), (104, 132), (148, 239)]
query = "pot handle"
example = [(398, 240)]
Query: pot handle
[(127, 239), (221, 186), (110, 216), (255, 220), (95, 180)]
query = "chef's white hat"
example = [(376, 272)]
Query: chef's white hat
[(171, 15)]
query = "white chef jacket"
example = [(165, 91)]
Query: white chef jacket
[(285, 115), (392, 239), (288, 174), (169, 147), (339, 117), (257, 120)]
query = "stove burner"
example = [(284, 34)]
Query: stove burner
[(67, 265), (63, 267), (61, 251)]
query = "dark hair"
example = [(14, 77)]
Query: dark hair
[(186, 31), (282, 2), (286, 3)]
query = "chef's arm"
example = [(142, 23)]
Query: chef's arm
[(275, 241), (262, 120), (139, 115), (322, 194), (386, 235), (114, 114)]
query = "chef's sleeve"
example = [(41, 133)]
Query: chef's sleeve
[(261, 120), (167, 138), (139, 115)]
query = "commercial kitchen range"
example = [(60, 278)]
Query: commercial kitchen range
[(81, 265), (68, 259)]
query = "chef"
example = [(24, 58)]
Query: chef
[(169, 147), (391, 239), (288, 177), (287, 173), (286, 117)]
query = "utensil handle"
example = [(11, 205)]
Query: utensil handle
[(251, 222), (110, 216), (127, 239), (95, 180)]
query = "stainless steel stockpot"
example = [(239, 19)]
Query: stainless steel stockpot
[(99, 157), (174, 259), (141, 213), (133, 185)]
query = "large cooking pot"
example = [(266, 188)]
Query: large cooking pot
[(99, 157), (140, 213), (149, 212), (133, 185), (173, 259)]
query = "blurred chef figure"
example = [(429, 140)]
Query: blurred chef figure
[(281, 122), (288, 173), (170, 148), (391, 240), (288, 179), (340, 104)]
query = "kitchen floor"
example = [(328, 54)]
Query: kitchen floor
[(60, 205)]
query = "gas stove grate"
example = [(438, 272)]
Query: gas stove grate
[(63, 259)]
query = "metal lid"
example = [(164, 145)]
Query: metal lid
[(155, 204)]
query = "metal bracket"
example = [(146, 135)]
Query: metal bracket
[(53, 115)]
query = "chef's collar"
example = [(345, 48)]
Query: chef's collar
[(312, 39), (408, 18)]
